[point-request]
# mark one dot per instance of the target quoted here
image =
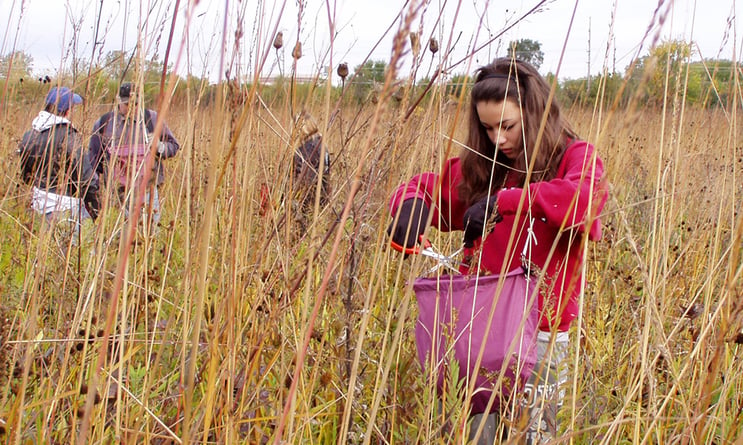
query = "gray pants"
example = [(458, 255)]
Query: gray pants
[(150, 215), (66, 224), (536, 421)]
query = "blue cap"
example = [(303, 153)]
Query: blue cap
[(63, 98)]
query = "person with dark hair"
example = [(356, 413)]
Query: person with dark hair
[(120, 145), (527, 193), (53, 161), (311, 160)]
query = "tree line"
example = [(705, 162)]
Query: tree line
[(666, 73)]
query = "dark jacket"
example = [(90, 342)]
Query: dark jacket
[(53, 159), (308, 162), (113, 130)]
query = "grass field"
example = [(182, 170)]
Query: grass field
[(198, 335), (245, 320)]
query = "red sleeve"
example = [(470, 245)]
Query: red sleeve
[(566, 199), (448, 209)]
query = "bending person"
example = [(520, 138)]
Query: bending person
[(480, 194), (65, 186)]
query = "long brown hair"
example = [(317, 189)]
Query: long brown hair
[(516, 80)]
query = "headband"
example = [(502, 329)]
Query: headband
[(497, 76)]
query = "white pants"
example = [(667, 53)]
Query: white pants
[(65, 213), (543, 395)]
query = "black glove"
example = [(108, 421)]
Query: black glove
[(475, 218), (413, 212)]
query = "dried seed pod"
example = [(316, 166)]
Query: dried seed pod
[(343, 70), (326, 379), (415, 43), (297, 53), (278, 41), (433, 45), (694, 333), (693, 311)]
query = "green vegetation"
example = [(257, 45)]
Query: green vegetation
[(244, 320), (527, 50)]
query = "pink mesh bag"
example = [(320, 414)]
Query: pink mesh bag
[(452, 325), (128, 162)]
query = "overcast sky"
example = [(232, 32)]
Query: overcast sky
[(45, 30)]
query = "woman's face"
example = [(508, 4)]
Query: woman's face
[(502, 122)]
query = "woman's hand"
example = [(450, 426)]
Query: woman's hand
[(413, 214), (475, 218)]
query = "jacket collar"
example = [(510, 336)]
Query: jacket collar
[(46, 120)]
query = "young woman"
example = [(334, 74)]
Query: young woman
[(526, 192)]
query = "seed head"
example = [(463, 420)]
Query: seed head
[(343, 70), (278, 41), (297, 53), (693, 311), (326, 379), (415, 43), (433, 45)]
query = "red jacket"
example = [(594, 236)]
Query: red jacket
[(564, 201)]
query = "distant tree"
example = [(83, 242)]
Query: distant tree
[(115, 63), (573, 92), (16, 65), (457, 83), (366, 76), (611, 86), (527, 50), (604, 88), (79, 66), (121, 66), (371, 71), (153, 70), (665, 69), (717, 80)]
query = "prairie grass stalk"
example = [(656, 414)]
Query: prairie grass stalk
[(236, 323)]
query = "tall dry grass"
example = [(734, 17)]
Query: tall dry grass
[(246, 320)]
